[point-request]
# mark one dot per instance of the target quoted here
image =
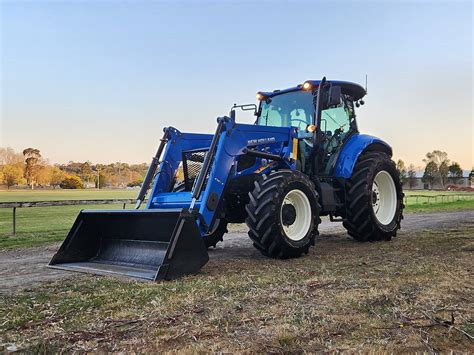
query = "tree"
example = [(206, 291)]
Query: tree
[(443, 171), (102, 180), (471, 176), (411, 176), (9, 157), (72, 182), (430, 174), (57, 176), (12, 175), (136, 182), (440, 159), (32, 157), (402, 170), (86, 172), (43, 176), (455, 172)]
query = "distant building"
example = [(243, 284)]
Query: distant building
[(417, 184)]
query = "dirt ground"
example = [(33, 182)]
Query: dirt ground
[(26, 268)]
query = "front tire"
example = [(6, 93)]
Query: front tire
[(374, 199), (283, 214)]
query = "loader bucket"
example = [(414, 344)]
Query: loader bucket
[(147, 244)]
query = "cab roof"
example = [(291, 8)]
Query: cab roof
[(348, 88)]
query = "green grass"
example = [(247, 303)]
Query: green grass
[(59, 194), (457, 205), (44, 225), (438, 201), (40, 225)]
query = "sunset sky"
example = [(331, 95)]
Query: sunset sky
[(91, 80)]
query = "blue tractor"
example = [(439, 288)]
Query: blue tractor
[(302, 159)]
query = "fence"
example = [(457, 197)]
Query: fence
[(438, 198), (15, 205)]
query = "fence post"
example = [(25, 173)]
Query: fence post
[(14, 220), (124, 205)]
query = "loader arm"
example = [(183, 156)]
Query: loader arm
[(233, 140), (165, 240)]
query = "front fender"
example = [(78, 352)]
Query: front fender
[(354, 147)]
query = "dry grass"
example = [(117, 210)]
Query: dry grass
[(414, 293)]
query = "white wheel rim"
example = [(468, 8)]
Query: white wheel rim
[(384, 197), (300, 227)]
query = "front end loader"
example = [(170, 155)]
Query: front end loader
[(302, 159)]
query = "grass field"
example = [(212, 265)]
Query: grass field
[(42, 225), (59, 194), (416, 296)]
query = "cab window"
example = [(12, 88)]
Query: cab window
[(337, 121), (289, 109)]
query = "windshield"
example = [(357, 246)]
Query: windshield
[(290, 109)]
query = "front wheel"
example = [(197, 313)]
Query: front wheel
[(283, 214), (374, 199)]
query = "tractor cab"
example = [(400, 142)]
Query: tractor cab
[(323, 125)]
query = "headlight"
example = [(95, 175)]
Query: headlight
[(307, 85)]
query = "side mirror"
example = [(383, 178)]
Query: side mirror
[(334, 98)]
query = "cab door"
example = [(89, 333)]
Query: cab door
[(337, 124)]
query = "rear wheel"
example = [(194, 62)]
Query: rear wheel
[(283, 214), (374, 199)]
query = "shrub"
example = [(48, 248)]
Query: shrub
[(72, 182), (136, 182)]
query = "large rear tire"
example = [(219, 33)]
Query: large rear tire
[(374, 199), (283, 214)]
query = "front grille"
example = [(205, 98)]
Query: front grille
[(192, 164)]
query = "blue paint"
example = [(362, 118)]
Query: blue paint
[(232, 142), (350, 153)]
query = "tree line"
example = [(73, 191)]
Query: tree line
[(438, 169), (29, 168)]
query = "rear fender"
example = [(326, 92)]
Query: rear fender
[(353, 148)]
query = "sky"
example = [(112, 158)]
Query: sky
[(98, 80)]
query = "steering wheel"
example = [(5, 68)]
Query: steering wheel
[(308, 141), (299, 120)]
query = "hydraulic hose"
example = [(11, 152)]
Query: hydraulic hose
[(207, 162), (150, 174)]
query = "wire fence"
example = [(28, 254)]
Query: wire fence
[(409, 199), (15, 205), (438, 198)]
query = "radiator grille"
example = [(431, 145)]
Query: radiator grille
[(192, 164)]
